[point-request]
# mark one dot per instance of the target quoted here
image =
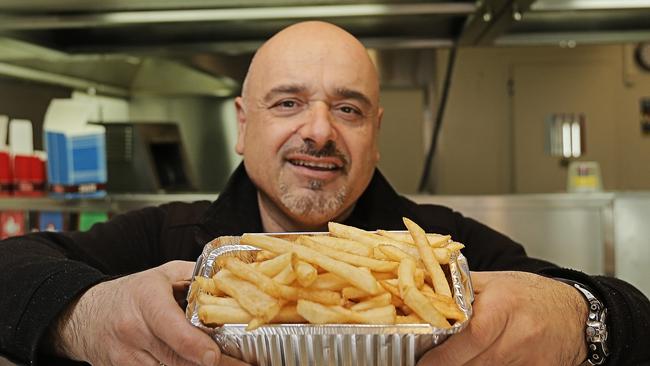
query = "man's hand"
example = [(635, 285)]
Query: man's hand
[(136, 320), (519, 319)]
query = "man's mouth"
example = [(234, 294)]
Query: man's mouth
[(316, 165), (324, 163)]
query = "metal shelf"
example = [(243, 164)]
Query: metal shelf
[(116, 203)]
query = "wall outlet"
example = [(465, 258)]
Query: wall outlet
[(645, 115)]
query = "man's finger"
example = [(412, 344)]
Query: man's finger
[(481, 333), (139, 358), (457, 350), (179, 290), (167, 321), (480, 280), (165, 355), (229, 361), (464, 346)]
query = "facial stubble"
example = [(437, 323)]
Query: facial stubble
[(311, 200)]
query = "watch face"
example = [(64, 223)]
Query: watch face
[(642, 55)]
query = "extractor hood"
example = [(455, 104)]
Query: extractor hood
[(118, 45), (572, 22)]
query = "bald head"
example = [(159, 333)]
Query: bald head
[(308, 122), (312, 42)]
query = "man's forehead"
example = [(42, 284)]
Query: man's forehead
[(312, 77), (335, 91), (328, 60), (312, 63)]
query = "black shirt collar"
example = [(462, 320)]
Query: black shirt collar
[(235, 211)]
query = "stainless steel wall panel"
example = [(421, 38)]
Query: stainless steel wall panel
[(569, 230), (632, 239)]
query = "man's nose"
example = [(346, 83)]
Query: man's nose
[(319, 126)]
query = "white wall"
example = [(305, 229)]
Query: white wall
[(492, 138)]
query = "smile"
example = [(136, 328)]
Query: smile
[(316, 165)]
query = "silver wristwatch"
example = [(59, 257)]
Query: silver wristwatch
[(596, 329)]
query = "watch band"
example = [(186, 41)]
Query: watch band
[(596, 327)]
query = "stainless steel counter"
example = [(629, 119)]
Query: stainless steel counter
[(632, 239), (598, 233), (568, 229)]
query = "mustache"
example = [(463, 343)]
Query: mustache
[(328, 150)]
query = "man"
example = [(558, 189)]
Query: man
[(308, 121)]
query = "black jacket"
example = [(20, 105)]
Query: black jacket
[(44, 272)]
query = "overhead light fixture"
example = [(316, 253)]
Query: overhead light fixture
[(564, 5), (18, 22)]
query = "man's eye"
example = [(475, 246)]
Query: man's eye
[(349, 110), (286, 104)]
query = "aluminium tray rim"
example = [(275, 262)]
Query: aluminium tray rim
[(460, 279)]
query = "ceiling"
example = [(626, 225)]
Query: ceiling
[(109, 42), (221, 26)]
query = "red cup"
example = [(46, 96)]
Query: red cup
[(29, 176), (6, 178)]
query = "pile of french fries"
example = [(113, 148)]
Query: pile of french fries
[(350, 276)]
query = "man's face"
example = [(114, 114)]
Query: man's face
[(308, 130)]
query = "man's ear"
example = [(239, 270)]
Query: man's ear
[(380, 115), (241, 125)]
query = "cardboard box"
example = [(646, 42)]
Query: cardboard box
[(51, 221), (76, 150)]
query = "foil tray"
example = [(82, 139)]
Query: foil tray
[(331, 344)]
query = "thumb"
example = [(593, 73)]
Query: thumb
[(481, 279), (177, 270)]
